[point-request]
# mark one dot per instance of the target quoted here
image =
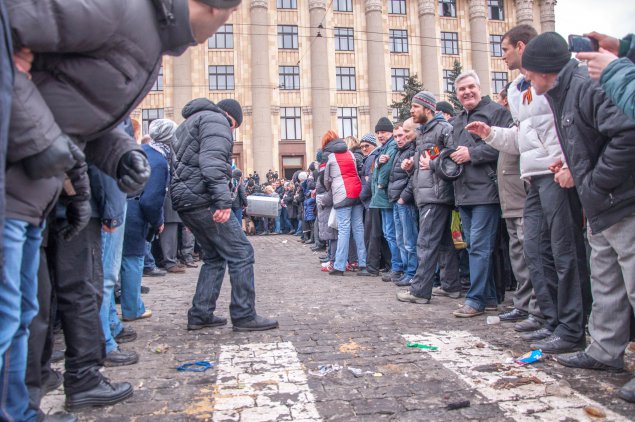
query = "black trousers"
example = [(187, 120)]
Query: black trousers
[(78, 283), (377, 251), (554, 249), (435, 247)]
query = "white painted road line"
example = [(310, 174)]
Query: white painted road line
[(461, 352), (262, 382)]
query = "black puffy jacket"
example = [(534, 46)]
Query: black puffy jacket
[(240, 197), (429, 188), (598, 142), (203, 152), (477, 185), (398, 186)]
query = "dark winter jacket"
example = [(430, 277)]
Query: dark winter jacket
[(598, 142), (399, 178), (203, 152), (240, 197), (381, 175), (310, 212), (292, 209), (107, 200), (145, 211), (477, 184), (427, 186), (367, 177), (359, 159)]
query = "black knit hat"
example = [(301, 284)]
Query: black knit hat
[(232, 107), (384, 125), (445, 107), (221, 4), (547, 53)]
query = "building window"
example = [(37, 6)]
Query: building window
[(344, 39), (448, 83), (288, 36), (397, 7), (158, 84), (290, 126), (398, 40), (345, 78), (447, 8), (399, 76), (499, 80), (495, 45), (347, 121), (223, 38), (221, 78), (289, 77), (343, 5), (287, 4), (495, 10), (148, 115), (450, 43)]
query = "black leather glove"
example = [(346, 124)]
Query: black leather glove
[(76, 198), (77, 217), (133, 171), (58, 158)]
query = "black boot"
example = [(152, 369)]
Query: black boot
[(259, 323), (103, 394)]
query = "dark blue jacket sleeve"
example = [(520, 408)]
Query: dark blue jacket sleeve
[(153, 195)]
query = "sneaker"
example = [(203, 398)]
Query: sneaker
[(327, 268), (103, 394), (513, 315), (466, 311), (627, 392), (120, 357), (259, 323), (404, 281), (146, 314), (530, 324), (555, 344), (539, 334), (216, 321), (583, 361), (439, 291), (126, 335), (154, 272), (392, 276), (407, 296)]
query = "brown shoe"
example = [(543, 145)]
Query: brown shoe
[(191, 264), (176, 269), (466, 311)]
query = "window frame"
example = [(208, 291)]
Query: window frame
[(448, 84), (158, 85), (453, 42), (348, 38), (398, 37), (498, 83), (293, 116), (343, 6), (395, 79), (227, 86), (146, 120), (284, 73), (225, 35), (499, 7), (286, 4), (495, 49), (347, 114), (345, 73), (397, 7), (451, 6), (288, 33)]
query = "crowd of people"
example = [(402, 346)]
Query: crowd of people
[(534, 192)]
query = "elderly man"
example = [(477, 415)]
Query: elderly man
[(476, 191)]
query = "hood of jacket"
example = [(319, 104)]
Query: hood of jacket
[(200, 104)]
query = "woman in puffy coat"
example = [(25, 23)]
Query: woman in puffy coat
[(342, 180)]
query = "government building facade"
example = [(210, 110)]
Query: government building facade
[(302, 67)]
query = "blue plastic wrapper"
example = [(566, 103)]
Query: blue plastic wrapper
[(530, 357)]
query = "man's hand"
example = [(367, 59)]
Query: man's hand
[(407, 164), (480, 129), (221, 216), (133, 171), (401, 201), (596, 62), (384, 158), (424, 161), (161, 227), (564, 178), (58, 158), (23, 60), (78, 215), (461, 156), (608, 43), (556, 166), (106, 228)]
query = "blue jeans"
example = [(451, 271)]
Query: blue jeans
[(131, 272), (148, 260), (388, 227), (284, 220), (406, 232), (112, 248), (480, 224), (18, 306), (238, 212), (349, 218)]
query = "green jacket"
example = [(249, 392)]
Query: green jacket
[(381, 176)]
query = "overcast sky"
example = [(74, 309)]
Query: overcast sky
[(612, 17)]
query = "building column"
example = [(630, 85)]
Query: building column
[(377, 94), (261, 111), (181, 91), (524, 12), (429, 48), (547, 15), (320, 96), (480, 43)]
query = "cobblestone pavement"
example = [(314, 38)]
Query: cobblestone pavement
[(344, 322)]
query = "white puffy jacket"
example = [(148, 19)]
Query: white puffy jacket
[(534, 138)]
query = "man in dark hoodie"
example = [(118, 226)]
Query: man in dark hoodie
[(200, 193)]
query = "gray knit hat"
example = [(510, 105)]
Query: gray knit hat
[(425, 99), (162, 130), (369, 138), (221, 4), (384, 125), (233, 108), (547, 53)]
